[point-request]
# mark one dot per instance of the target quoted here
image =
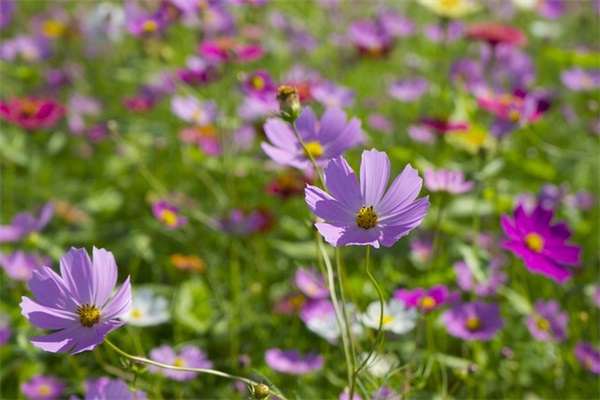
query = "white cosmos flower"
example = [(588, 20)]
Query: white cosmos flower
[(380, 365), (396, 317), (147, 309)]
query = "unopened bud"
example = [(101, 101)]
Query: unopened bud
[(261, 391), (289, 103)]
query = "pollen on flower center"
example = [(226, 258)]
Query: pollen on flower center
[(387, 319), (366, 218), (88, 315), (534, 242), (179, 362), (314, 149), (473, 324), (543, 324), (514, 115), (427, 302), (150, 26), (136, 313), (257, 82), (169, 217), (44, 390)]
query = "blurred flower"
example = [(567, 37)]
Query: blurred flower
[(588, 357), (311, 283), (242, 222), (482, 286), (188, 262), (20, 266), (288, 183), (319, 317), (191, 109), (408, 90), (141, 102), (370, 38), (442, 125), (32, 113), (451, 8), (292, 362), (548, 323), (581, 200), (24, 224), (5, 329), (228, 49), (31, 48), (494, 34), (258, 83), (111, 389), (43, 387), (379, 364), (298, 39), (205, 137), (78, 108), (290, 303), (345, 395), (396, 317), (468, 74), (147, 309), (380, 123), (362, 215), (420, 247), (324, 139), (256, 108), (77, 304), (541, 245), (198, 72), (445, 33), (443, 180), (332, 96), (395, 24), (70, 213), (385, 393), (188, 357), (7, 9), (168, 214), (473, 321), (551, 9), (426, 299), (580, 80)]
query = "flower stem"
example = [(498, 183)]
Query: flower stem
[(172, 367), (309, 155)]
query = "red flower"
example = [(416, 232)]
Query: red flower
[(32, 113), (496, 33), (443, 126)]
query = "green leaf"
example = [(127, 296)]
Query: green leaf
[(192, 305)]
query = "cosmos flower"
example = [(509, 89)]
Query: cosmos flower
[(168, 214), (43, 387), (319, 317), (227, 49), (396, 317), (258, 83), (588, 357), (363, 215), (580, 80), (489, 284), (5, 329), (370, 38), (408, 90), (548, 323), (473, 321), (147, 309), (197, 72), (311, 283), (205, 137), (444, 33), (20, 266), (193, 110), (495, 34), (32, 113), (188, 357), (241, 222), (451, 9), (331, 95), (24, 224), (288, 183), (550, 9), (443, 180), (78, 303), (292, 362), (7, 9), (324, 139), (540, 244), (426, 299), (385, 393), (111, 389)]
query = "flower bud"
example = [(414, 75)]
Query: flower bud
[(289, 103), (261, 392)]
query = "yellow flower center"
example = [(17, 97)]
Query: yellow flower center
[(427, 302), (198, 115), (28, 107), (44, 390), (297, 301), (534, 242), (53, 29), (88, 315), (150, 26), (169, 217), (314, 149), (387, 319), (257, 82), (514, 115), (473, 324), (179, 362), (366, 218), (543, 324), (450, 3), (136, 314)]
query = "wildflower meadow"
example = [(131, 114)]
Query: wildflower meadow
[(299, 199)]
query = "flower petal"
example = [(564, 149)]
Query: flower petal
[(341, 182), (326, 207), (306, 125), (120, 303), (60, 341), (76, 271), (374, 176), (45, 317), (87, 339), (50, 290), (280, 134), (333, 122), (337, 235), (403, 190), (104, 275)]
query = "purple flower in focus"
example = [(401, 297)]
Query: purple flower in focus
[(324, 139), (442, 180), (111, 389), (311, 283), (408, 90), (24, 224), (292, 362), (426, 299), (541, 245), (548, 323), (168, 214), (78, 303), (20, 266), (579, 80), (188, 357), (43, 387), (588, 357), (473, 321), (363, 215)]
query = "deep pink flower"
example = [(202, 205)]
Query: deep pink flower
[(32, 113), (444, 126), (168, 214), (426, 299), (548, 323), (541, 245), (227, 49), (495, 34)]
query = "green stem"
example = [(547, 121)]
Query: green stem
[(235, 300), (338, 262), (309, 155), (436, 233)]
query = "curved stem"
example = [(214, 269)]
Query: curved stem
[(310, 156)]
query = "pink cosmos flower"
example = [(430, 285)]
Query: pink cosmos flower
[(442, 180), (541, 245), (32, 113), (77, 304), (24, 224), (495, 34), (426, 299), (227, 49), (588, 357), (110, 389), (311, 283), (188, 357), (473, 321), (43, 387), (168, 214), (292, 362), (548, 323), (365, 214)]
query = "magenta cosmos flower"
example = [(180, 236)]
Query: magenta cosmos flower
[(541, 245), (292, 362), (43, 387), (77, 304), (362, 214), (473, 321), (324, 139), (442, 180), (32, 113), (168, 214), (188, 357), (588, 356), (548, 323), (426, 299), (24, 224)]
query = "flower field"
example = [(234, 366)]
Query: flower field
[(312, 199)]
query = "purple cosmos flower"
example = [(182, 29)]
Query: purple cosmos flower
[(324, 139), (548, 323), (469, 75), (24, 224), (190, 109), (111, 389), (385, 393), (331, 95), (257, 108), (588, 357), (467, 281), (442, 180), (292, 362), (346, 396), (426, 299), (363, 215), (241, 222), (20, 266), (78, 108), (370, 38), (396, 25), (5, 330), (7, 9), (258, 83), (437, 33), (408, 90), (78, 303), (188, 357), (31, 48), (319, 317), (168, 214), (421, 134), (473, 321), (380, 123), (311, 283), (43, 387), (541, 245), (579, 80), (198, 72)]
